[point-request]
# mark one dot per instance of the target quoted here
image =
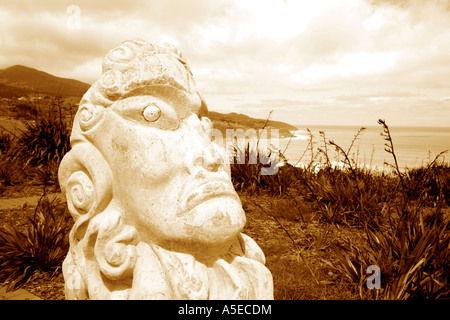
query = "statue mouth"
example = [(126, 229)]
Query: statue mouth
[(207, 191)]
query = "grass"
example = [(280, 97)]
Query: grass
[(397, 221), (294, 250), (319, 226)]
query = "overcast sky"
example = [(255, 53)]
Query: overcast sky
[(343, 62)]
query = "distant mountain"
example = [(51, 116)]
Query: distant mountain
[(223, 121), (19, 80), (13, 92)]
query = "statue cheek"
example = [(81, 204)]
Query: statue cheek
[(142, 159), (145, 152)]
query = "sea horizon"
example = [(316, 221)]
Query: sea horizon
[(299, 126), (414, 146)]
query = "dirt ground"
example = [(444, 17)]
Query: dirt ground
[(293, 249)]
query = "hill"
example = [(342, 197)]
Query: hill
[(7, 91), (223, 121), (20, 80)]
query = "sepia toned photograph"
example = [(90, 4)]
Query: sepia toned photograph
[(254, 150)]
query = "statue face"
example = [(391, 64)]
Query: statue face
[(156, 214), (173, 183)]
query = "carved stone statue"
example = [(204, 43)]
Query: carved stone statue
[(156, 215)]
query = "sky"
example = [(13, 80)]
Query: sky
[(321, 62)]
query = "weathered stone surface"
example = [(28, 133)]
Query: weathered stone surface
[(156, 215)]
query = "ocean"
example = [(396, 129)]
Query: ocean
[(413, 146)]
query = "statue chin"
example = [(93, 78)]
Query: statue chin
[(210, 228)]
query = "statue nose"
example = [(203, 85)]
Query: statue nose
[(202, 152), (211, 160), (204, 155)]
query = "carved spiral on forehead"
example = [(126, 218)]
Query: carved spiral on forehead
[(134, 64), (111, 79), (88, 115), (119, 57), (122, 53), (111, 84)]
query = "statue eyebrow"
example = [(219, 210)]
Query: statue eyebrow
[(132, 111)]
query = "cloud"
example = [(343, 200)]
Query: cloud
[(254, 54), (36, 33)]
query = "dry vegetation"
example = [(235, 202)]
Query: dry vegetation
[(319, 227), (329, 225)]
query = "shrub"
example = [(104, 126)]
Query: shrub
[(248, 164), (40, 248), (429, 184), (342, 197), (246, 170), (411, 245), (8, 170), (42, 142), (48, 174), (26, 111), (6, 141), (413, 257)]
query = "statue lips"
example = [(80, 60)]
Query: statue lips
[(207, 191)]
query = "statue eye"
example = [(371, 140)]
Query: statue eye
[(151, 113), (146, 111)]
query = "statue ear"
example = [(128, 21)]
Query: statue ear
[(85, 179), (115, 245)]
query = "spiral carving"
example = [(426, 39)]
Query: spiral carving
[(89, 115), (115, 248), (108, 80), (80, 193), (86, 113), (122, 54), (111, 80)]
